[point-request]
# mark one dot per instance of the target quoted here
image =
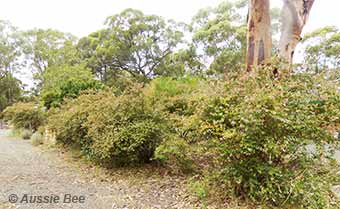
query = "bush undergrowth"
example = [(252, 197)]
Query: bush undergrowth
[(244, 137)]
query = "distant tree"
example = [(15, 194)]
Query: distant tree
[(132, 42), (322, 49), (10, 49), (220, 33), (10, 90), (10, 63), (46, 48), (180, 63)]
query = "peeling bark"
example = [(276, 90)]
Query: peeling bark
[(294, 17), (259, 42)]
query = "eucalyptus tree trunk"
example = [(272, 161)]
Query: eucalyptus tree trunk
[(259, 42), (294, 17)]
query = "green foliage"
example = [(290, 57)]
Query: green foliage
[(113, 130), (262, 127), (125, 129), (61, 82), (10, 52), (243, 136), (181, 63), (10, 90), (25, 115), (10, 48), (200, 189), (131, 42), (48, 48), (54, 77), (221, 32), (178, 99), (247, 136), (175, 152), (322, 49), (181, 99), (68, 120), (169, 87), (70, 89)]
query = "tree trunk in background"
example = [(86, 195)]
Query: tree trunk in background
[(259, 42), (294, 17)]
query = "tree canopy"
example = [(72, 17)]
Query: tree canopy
[(131, 42)]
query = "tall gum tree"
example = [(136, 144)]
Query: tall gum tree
[(259, 41), (295, 14)]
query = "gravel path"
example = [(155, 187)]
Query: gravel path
[(33, 171)]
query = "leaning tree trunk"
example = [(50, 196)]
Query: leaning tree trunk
[(259, 42), (294, 17)]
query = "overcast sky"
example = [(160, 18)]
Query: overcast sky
[(81, 17)]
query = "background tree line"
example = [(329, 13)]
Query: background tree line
[(138, 47)]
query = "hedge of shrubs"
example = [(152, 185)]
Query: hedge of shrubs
[(25, 115), (110, 129), (244, 137), (251, 136), (261, 129)]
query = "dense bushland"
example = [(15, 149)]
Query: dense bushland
[(245, 137), (252, 137)]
